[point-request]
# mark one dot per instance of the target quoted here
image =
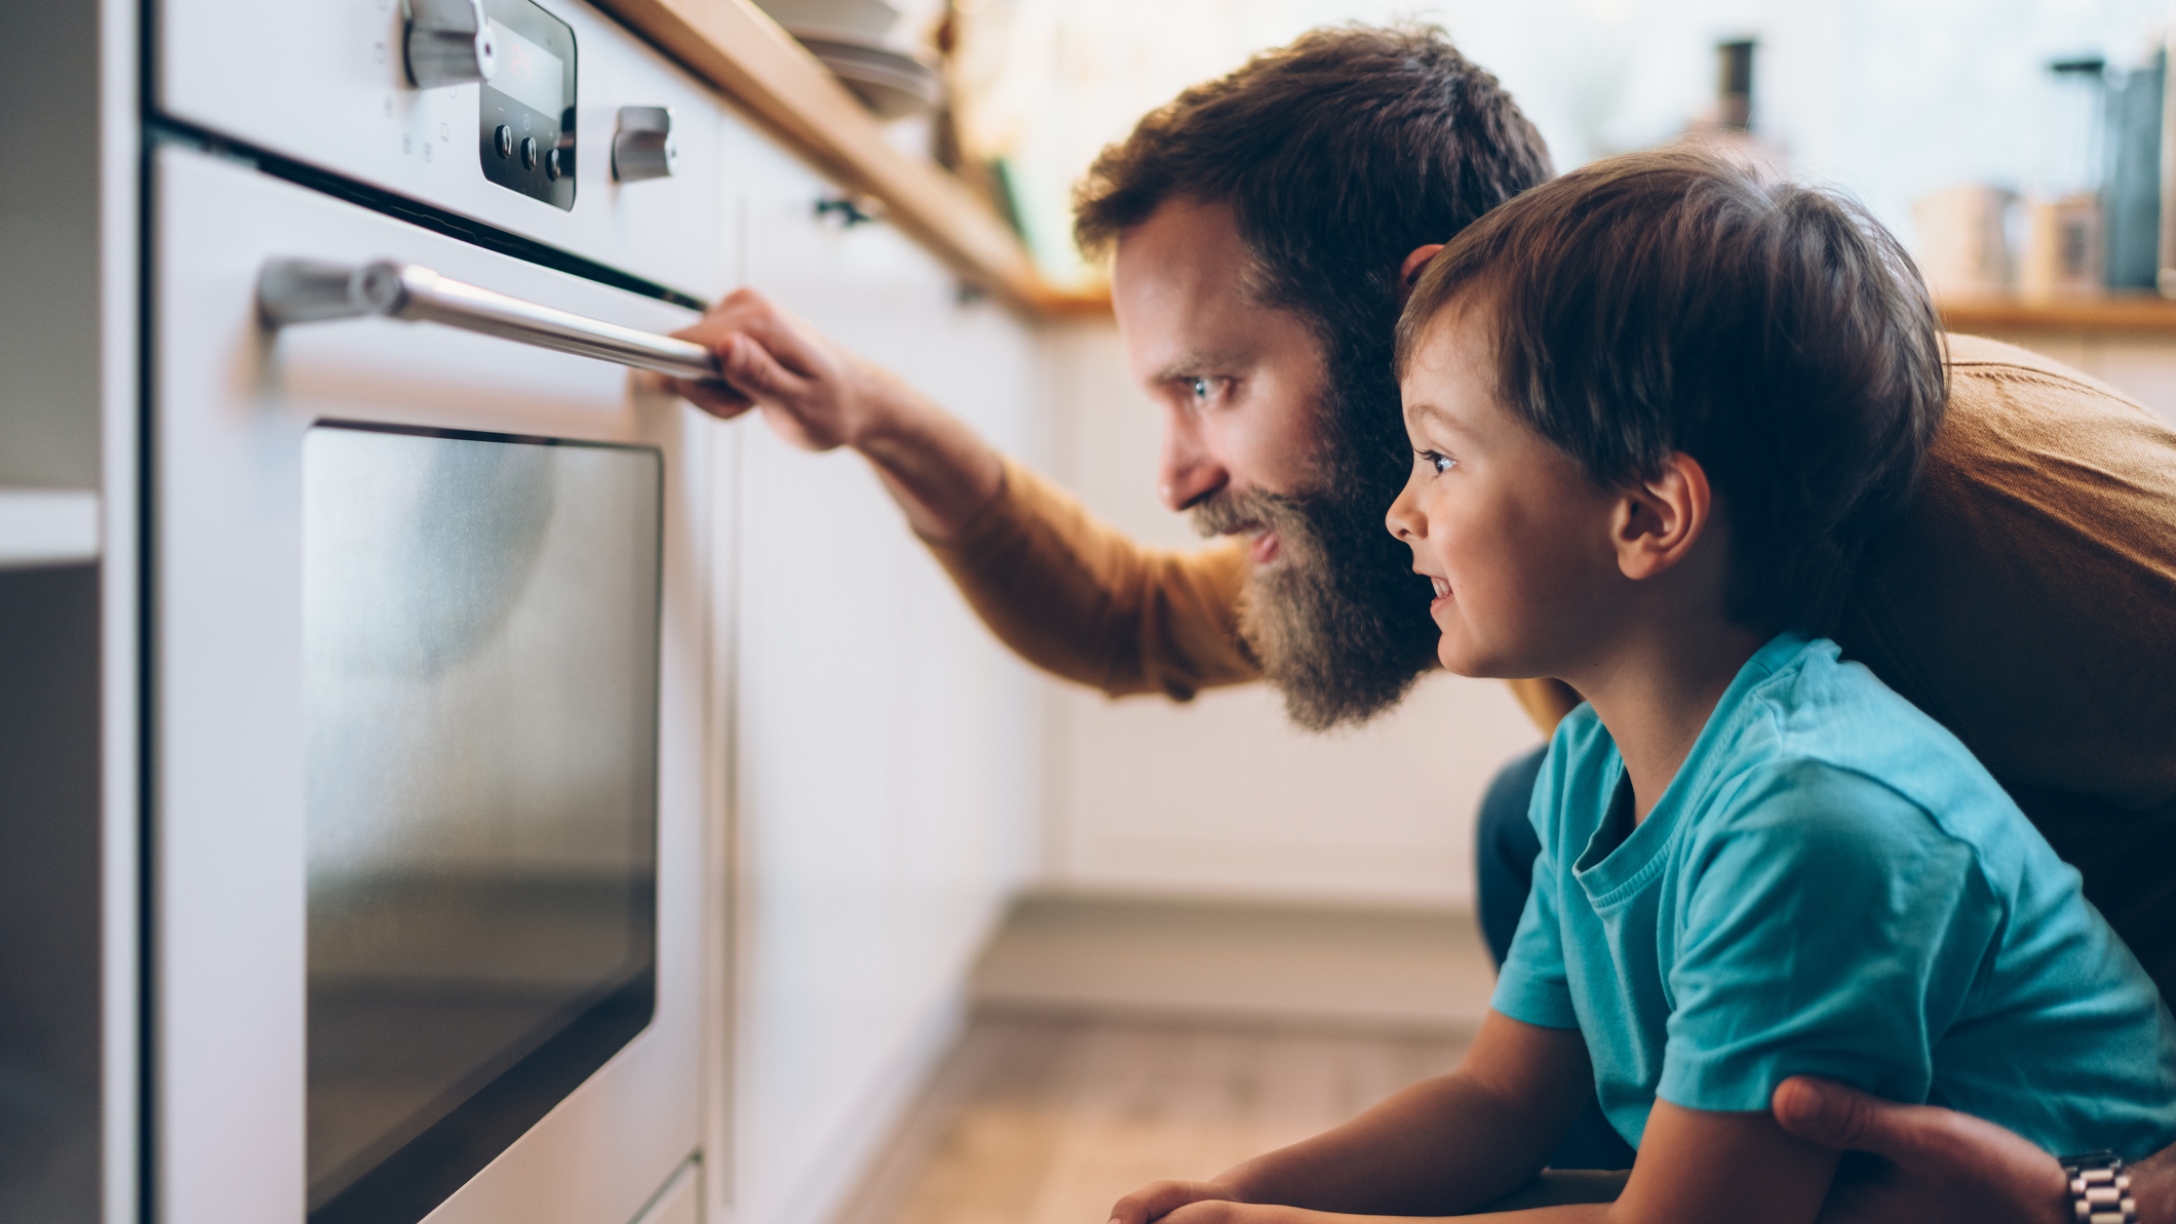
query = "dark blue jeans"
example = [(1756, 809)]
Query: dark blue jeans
[(1504, 866)]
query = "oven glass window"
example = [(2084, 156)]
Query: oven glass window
[(481, 638)]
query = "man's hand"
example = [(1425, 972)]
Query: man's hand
[(817, 396), (1939, 1166), (1157, 1199)]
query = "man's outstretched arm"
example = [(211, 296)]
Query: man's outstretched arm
[(1947, 1167), (818, 396), (1070, 594)]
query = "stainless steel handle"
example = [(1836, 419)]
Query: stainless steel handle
[(450, 43), (643, 147), (293, 291)]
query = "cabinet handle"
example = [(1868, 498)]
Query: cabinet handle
[(291, 291)]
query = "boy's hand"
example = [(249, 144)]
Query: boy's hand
[(1941, 1166), (1158, 1199)]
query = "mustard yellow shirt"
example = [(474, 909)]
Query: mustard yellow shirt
[(2027, 601)]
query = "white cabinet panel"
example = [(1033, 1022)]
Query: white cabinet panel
[(887, 746)]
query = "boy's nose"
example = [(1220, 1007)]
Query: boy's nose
[(1404, 520)]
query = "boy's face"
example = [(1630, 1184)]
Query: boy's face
[(1514, 535)]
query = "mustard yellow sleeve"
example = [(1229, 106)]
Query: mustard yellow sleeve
[(1546, 701), (1078, 598)]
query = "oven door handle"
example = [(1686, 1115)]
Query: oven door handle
[(291, 291)]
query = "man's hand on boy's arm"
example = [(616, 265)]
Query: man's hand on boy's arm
[(1442, 1146), (818, 396), (1946, 1167)]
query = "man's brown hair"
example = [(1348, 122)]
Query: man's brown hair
[(1684, 300), (1338, 154)]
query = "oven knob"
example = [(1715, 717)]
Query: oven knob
[(643, 147), (528, 152), (449, 43)]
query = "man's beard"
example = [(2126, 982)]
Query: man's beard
[(1339, 622)]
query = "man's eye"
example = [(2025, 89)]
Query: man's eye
[(1202, 388)]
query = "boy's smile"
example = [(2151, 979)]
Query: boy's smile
[(1505, 525)]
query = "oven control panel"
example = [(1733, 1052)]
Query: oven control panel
[(541, 118), (525, 125)]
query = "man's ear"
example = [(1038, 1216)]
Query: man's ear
[(1410, 270), (1659, 519)]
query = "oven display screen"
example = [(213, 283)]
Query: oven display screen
[(480, 619), (533, 76)]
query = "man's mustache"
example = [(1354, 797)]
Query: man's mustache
[(1225, 512)]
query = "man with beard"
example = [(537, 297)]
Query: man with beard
[(1266, 227)]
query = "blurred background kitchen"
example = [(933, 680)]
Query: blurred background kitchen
[(942, 940)]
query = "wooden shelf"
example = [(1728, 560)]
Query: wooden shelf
[(736, 47), (2114, 313)]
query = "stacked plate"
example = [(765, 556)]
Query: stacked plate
[(855, 39)]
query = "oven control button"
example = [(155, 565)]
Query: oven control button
[(449, 42), (502, 139), (552, 165), (528, 152), (643, 147)]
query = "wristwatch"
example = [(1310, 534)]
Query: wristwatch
[(2100, 1191)]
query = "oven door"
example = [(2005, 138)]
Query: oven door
[(428, 657)]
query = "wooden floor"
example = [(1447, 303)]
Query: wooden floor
[(1046, 1119)]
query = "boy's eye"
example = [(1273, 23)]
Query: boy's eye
[(1440, 462), (1203, 388)]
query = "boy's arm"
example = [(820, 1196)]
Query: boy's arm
[(1694, 1167), (1445, 1145)]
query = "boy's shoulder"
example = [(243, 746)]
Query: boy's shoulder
[(1817, 745)]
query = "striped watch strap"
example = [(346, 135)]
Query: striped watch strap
[(2100, 1190)]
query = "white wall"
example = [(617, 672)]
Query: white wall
[(1222, 795)]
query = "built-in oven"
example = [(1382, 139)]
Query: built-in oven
[(428, 620)]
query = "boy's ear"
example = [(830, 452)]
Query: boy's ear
[(1660, 518), (1410, 270)]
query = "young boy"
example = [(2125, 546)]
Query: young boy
[(1656, 408)]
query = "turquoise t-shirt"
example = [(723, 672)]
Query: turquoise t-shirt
[(1831, 885)]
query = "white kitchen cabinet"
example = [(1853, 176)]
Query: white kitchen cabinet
[(885, 745)]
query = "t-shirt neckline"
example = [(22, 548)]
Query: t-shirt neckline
[(1608, 869)]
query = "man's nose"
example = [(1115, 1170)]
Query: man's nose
[(1188, 471)]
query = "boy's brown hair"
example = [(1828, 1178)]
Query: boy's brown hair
[(1684, 300)]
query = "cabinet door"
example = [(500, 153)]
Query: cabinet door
[(887, 746)]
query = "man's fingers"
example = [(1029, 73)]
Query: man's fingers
[(751, 369), (1158, 1198), (1832, 1114), (718, 399)]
